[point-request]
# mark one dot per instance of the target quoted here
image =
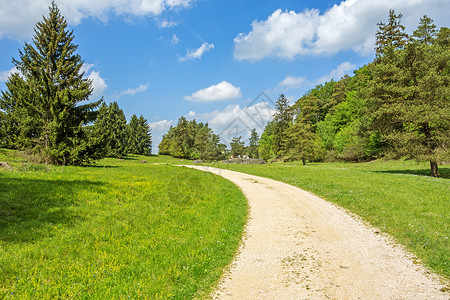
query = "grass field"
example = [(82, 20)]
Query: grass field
[(120, 229), (396, 196)]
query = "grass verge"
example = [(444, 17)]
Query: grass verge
[(394, 196), (120, 229)]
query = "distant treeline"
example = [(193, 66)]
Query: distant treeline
[(396, 106)]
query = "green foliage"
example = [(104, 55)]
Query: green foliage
[(302, 143), (111, 129), (390, 36), (396, 106), (281, 122), (121, 229), (192, 140), (139, 136), (42, 103), (409, 98), (265, 148), (237, 146), (253, 144)]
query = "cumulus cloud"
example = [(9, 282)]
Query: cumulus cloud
[(18, 17), (166, 24), (98, 83), (159, 128), (175, 39), (196, 53), (350, 25), (337, 73), (217, 92), (5, 74), (234, 120), (292, 82), (131, 92)]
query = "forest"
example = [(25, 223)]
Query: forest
[(397, 106)]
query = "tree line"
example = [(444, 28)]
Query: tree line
[(396, 106), (46, 109), (192, 140)]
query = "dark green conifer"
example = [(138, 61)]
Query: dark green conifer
[(43, 101)]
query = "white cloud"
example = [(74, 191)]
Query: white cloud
[(175, 39), (220, 91), (167, 24), (337, 73), (159, 128), (5, 74), (350, 25), (292, 82), (236, 121), (196, 53), (98, 84), (18, 17), (131, 92)]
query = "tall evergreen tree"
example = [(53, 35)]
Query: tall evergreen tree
[(426, 31), (253, 144), (281, 121), (111, 126), (390, 36), (410, 99), (139, 136), (43, 102), (237, 146)]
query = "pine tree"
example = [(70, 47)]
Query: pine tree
[(281, 121), (390, 36), (111, 127), (426, 31), (45, 98), (139, 136), (237, 146), (409, 97), (301, 143), (253, 144)]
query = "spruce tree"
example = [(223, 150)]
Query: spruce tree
[(139, 136), (43, 101), (390, 36), (237, 146), (253, 144), (281, 121), (409, 98), (111, 127)]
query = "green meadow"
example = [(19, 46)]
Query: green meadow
[(119, 229), (396, 196)]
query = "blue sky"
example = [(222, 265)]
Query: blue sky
[(211, 59)]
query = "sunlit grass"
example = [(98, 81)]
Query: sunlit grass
[(121, 229), (396, 196)]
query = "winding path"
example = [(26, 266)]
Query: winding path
[(298, 246)]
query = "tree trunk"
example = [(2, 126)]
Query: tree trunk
[(434, 169), (303, 161)]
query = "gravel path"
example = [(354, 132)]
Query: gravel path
[(298, 246)]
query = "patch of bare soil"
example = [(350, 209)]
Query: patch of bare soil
[(298, 246)]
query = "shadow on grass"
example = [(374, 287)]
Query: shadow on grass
[(31, 209), (444, 171)]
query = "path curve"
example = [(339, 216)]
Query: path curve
[(298, 246)]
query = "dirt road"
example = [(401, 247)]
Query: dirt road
[(298, 246)]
